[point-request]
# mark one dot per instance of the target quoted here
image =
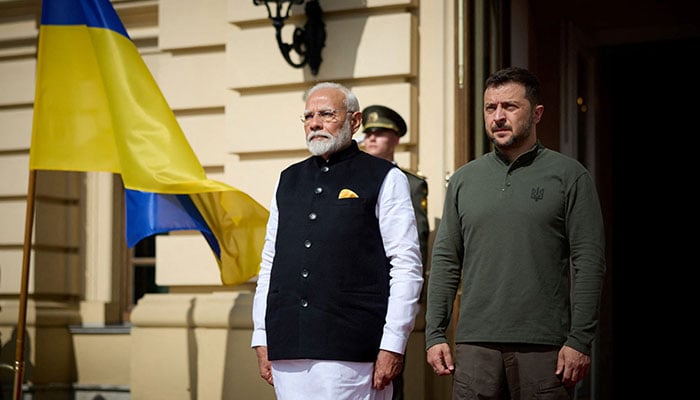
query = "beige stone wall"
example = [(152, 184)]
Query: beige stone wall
[(237, 100)]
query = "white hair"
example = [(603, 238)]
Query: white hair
[(351, 102)]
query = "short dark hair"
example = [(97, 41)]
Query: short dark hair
[(517, 75)]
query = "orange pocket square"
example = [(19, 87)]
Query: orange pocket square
[(347, 194)]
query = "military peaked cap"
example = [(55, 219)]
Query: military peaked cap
[(380, 117)]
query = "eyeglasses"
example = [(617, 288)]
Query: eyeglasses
[(326, 116)]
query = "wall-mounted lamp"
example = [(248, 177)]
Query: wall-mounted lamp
[(307, 42)]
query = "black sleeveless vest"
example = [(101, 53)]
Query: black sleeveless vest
[(329, 284)]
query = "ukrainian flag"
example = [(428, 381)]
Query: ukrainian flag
[(98, 108)]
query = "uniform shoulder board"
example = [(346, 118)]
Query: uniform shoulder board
[(414, 173)]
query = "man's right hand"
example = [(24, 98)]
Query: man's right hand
[(264, 365), (440, 358)]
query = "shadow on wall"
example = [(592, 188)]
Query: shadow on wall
[(8, 358)]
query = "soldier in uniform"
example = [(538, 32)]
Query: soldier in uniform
[(383, 128)]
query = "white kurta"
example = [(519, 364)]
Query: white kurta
[(321, 379), (325, 380)]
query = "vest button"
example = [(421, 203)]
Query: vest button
[(313, 216), (304, 303), (325, 169), (304, 273), (307, 243), (318, 190)]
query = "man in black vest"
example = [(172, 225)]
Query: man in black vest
[(341, 273), (383, 129)]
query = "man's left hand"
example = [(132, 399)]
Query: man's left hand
[(572, 366), (387, 367)]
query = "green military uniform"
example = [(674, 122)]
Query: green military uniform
[(419, 197), (384, 118)]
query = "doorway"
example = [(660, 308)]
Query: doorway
[(646, 116)]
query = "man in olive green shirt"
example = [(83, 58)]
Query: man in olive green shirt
[(522, 231)]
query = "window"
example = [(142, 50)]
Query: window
[(143, 267), (138, 264)]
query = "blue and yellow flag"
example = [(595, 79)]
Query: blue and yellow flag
[(98, 108)]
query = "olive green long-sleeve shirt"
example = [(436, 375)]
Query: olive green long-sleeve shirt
[(515, 234)]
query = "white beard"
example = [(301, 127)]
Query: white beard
[(330, 144)]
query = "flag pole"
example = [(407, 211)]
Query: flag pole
[(29, 223)]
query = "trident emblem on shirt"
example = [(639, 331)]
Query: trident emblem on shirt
[(537, 194)]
